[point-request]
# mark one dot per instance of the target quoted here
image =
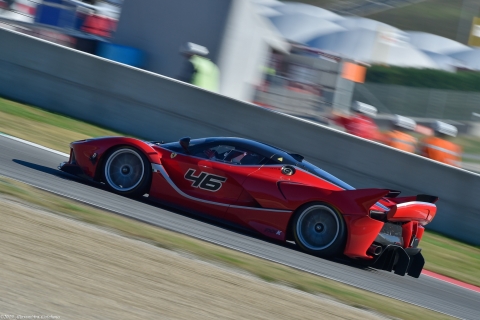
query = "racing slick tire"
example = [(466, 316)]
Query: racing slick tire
[(319, 229), (126, 171)]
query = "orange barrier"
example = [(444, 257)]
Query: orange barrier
[(354, 72)]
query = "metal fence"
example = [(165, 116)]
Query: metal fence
[(284, 95), (424, 105), (420, 102), (304, 85)]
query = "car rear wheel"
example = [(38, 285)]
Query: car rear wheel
[(319, 229), (127, 172)]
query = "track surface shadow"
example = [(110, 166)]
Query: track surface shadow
[(53, 172)]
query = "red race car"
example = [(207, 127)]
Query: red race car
[(264, 188)]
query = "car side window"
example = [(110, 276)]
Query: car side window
[(230, 154)]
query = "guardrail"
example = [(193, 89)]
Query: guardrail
[(155, 107)]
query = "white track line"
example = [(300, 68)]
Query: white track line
[(35, 145)]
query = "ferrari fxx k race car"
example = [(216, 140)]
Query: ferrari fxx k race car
[(264, 188)]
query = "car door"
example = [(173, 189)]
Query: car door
[(263, 184), (213, 174), (196, 183), (228, 167), (236, 173)]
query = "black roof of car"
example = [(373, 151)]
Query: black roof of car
[(252, 145)]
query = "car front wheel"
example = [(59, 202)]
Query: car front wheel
[(127, 172), (319, 229)]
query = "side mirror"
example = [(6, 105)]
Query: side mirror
[(185, 142)]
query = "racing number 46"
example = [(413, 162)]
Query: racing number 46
[(205, 180)]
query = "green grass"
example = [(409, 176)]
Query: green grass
[(49, 129), (263, 269), (451, 257)]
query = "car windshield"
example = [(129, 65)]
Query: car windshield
[(325, 175)]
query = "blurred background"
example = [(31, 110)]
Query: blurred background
[(399, 72), (396, 72)]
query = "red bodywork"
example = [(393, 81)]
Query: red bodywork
[(261, 197)]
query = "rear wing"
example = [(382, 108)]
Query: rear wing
[(419, 208), (420, 211), (392, 196)]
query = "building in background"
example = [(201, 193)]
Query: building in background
[(240, 41)]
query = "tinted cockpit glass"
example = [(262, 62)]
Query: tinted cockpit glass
[(229, 154), (324, 175), (175, 146)]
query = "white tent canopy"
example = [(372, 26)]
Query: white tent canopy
[(353, 23), (298, 27), (470, 58), (362, 39), (444, 62), (264, 7), (355, 44), (267, 2), (295, 7), (431, 42), (267, 11), (373, 47)]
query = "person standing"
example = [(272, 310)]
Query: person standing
[(199, 70), (360, 122), (8, 4), (439, 148), (399, 136)]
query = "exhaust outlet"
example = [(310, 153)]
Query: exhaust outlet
[(374, 250)]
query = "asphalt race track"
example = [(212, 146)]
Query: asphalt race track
[(38, 167)]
